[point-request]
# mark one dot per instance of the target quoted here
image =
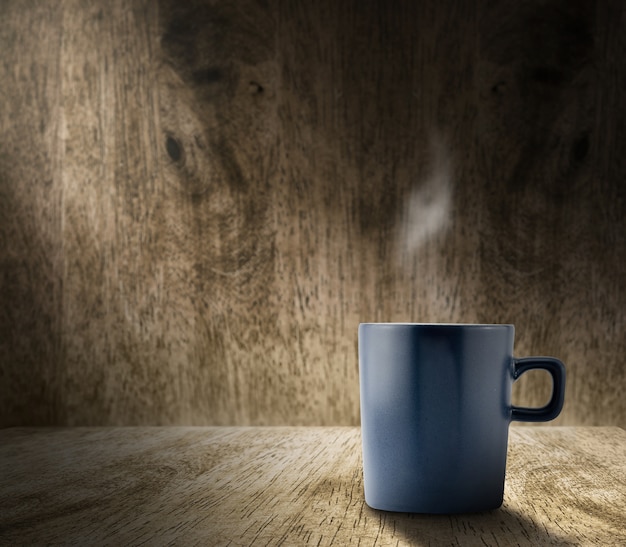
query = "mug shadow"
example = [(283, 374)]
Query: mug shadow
[(503, 526)]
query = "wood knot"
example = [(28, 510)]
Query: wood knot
[(499, 88), (173, 147), (255, 88)]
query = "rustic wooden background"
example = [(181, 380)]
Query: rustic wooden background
[(200, 201)]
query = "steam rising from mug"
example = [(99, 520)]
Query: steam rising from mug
[(427, 211)]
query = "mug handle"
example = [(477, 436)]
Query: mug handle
[(550, 411)]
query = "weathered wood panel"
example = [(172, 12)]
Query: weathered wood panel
[(221, 191), (31, 246)]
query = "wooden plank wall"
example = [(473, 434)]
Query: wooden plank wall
[(200, 201)]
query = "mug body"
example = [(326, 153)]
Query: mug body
[(435, 414)]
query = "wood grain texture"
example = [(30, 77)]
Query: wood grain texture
[(201, 200), (31, 188), (289, 486)]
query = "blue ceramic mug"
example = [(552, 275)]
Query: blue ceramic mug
[(435, 413)]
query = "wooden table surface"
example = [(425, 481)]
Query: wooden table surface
[(289, 486)]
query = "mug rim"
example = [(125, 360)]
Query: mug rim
[(460, 325)]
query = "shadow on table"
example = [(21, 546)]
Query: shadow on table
[(502, 526)]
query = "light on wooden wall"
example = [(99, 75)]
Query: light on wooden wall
[(200, 201)]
